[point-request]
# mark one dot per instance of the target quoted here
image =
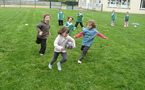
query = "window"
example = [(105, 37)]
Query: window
[(97, 2), (83, 2), (142, 5), (119, 3)]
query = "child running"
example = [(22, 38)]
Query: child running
[(126, 18), (113, 17), (80, 18), (43, 32), (60, 17), (70, 25), (89, 33), (60, 48)]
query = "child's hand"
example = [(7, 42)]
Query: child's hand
[(74, 30), (106, 38), (62, 48), (40, 33), (74, 36), (73, 47), (67, 26), (49, 34)]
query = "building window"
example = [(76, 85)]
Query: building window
[(119, 3), (142, 5), (97, 2), (83, 2)]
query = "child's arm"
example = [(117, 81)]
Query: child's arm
[(56, 43), (58, 16), (39, 29), (100, 35), (79, 35)]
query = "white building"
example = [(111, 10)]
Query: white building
[(132, 6)]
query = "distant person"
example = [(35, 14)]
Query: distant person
[(60, 17), (70, 25), (43, 32), (80, 18), (89, 34), (113, 17), (59, 44), (126, 18)]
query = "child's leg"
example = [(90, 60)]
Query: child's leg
[(85, 50), (64, 55), (43, 46), (38, 41), (54, 57), (59, 22), (111, 22), (62, 22), (76, 24), (81, 24), (127, 23)]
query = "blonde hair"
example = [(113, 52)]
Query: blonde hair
[(46, 14), (92, 22)]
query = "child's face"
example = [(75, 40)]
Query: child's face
[(70, 20), (60, 10), (47, 18), (89, 26), (80, 11), (65, 34)]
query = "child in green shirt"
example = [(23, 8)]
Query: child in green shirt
[(79, 18), (70, 25), (126, 18), (60, 17), (113, 17)]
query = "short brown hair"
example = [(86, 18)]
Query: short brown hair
[(63, 29), (92, 22), (46, 14), (70, 17)]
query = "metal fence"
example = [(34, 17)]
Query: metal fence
[(38, 4)]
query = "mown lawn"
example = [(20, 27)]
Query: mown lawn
[(114, 64)]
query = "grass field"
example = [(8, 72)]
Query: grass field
[(114, 64)]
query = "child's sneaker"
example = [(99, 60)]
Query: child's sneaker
[(41, 54), (124, 25), (50, 66), (59, 66), (79, 61)]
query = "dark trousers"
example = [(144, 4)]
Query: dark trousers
[(60, 22), (43, 44), (78, 23), (85, 50), (56, 54)]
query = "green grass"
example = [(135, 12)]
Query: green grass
[(114, 64)]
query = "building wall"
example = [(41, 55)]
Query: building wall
[(133, 8)]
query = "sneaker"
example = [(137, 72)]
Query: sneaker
[(59, 66), (124, 25), (50, 66), (79, 61), (41, 54)]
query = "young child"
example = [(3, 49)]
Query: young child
[(43, 32), (80, 18), (70, 25), (89, 34), (60, 17), (113, 17), (126, 18), (60, 48)]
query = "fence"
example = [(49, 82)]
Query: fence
[(39, 4)]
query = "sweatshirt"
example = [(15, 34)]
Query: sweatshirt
[(44, 27), (60, 42)]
